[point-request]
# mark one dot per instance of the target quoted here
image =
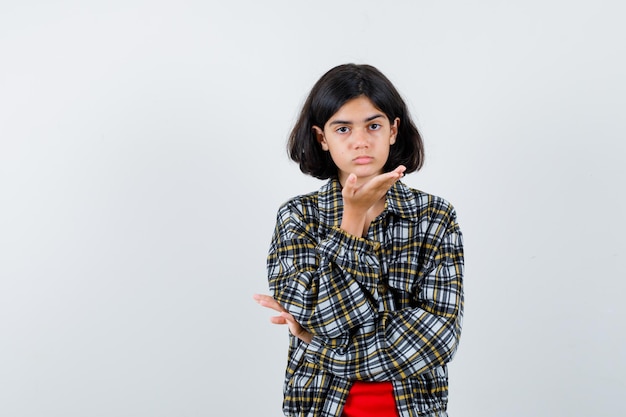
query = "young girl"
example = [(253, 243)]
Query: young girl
[(366, 272)]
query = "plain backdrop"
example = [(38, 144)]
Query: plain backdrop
[(142, 161)]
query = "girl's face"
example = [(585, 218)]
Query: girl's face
[(358, 138)]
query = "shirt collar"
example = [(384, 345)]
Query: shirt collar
[(401, 202)]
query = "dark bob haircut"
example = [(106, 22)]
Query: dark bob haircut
[(333, 90)]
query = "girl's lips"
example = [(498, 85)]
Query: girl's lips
[(363, 159)]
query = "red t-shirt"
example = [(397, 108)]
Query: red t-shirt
[(370, 399)]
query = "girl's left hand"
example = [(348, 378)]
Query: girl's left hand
[(284, 317)]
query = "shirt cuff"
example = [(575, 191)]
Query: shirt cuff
[(349, 251)]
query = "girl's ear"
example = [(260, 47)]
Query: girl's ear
[(319, 135), (394, 130)]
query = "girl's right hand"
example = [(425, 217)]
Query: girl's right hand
[(364, 202), (367, 195)]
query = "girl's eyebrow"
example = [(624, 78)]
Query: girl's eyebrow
[(345, 122)]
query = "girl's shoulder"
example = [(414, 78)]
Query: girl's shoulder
[(303, 204), (302, 199)]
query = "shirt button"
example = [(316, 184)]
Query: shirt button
[(382, 288)]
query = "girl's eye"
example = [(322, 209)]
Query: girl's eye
[(375, 126), (343, 129)]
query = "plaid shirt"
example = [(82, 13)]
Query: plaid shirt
[(387, 307)]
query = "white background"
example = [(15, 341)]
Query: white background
[(142, 160)]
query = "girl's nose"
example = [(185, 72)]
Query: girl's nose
[(360, 138)]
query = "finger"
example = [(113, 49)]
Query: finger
[(400, 169), (271, 305), (350, 185), (383, 182), (393, 176), (278, 320), (265, 299), (258, 297), (269, 302), (397, 173), (288, 317)]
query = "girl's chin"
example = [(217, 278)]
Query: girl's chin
[(365, 171), (362, 175)]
